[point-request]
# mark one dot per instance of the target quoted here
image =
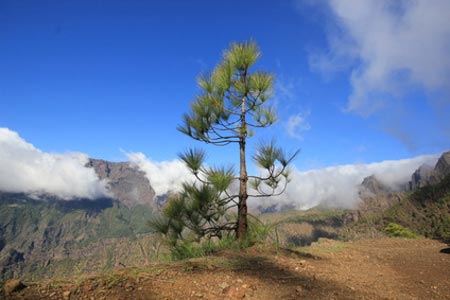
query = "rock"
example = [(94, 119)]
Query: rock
[(236, 293), (66, 295), (13, 285), (225, 290), (223, 285)]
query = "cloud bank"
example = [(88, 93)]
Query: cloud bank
[(390, 47), (334, 186), (338, 186), (24, 168), (164, 177)]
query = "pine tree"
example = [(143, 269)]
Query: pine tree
[(232, 104)]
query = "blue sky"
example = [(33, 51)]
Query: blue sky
[(356, 82)]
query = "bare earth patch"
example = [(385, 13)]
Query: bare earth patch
[(367, 269)]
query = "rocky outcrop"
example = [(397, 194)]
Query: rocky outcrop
[(421, 177), (127, 183), (442, 168), (372, 186), (427, 175), (376, 196)]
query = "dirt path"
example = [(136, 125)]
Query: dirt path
[(369, 269)]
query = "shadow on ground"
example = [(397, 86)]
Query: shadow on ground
[(445, 250), (306, 240), (282, 279)]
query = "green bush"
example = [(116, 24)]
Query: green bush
[(185, 250), (396, 230), (258, 233), (189, 249)]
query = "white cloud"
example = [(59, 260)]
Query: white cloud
[(297, 124), (164, 177), (334, 186), (24, 168), (392, 45), (338, 186), (285, 90)]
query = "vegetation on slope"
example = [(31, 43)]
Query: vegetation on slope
[(426, 211), (55, 237)]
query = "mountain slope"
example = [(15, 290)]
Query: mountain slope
[(426, 211), (45, 236)]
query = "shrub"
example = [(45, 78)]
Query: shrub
[(258, 233), (190, 249), (396, 230)]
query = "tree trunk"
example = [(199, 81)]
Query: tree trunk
[(241, 230)]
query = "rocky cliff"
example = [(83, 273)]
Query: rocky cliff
[(427, 175), (129, 185), (376, 196), (442, 168)]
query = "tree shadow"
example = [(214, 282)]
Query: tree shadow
[(287, 281), (299, 254)]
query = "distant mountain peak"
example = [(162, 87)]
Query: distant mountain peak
[(126, 182), (375, 195), (426, 174), (442, 167), (371, 184)]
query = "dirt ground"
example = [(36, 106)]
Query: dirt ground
[(367, 269)]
